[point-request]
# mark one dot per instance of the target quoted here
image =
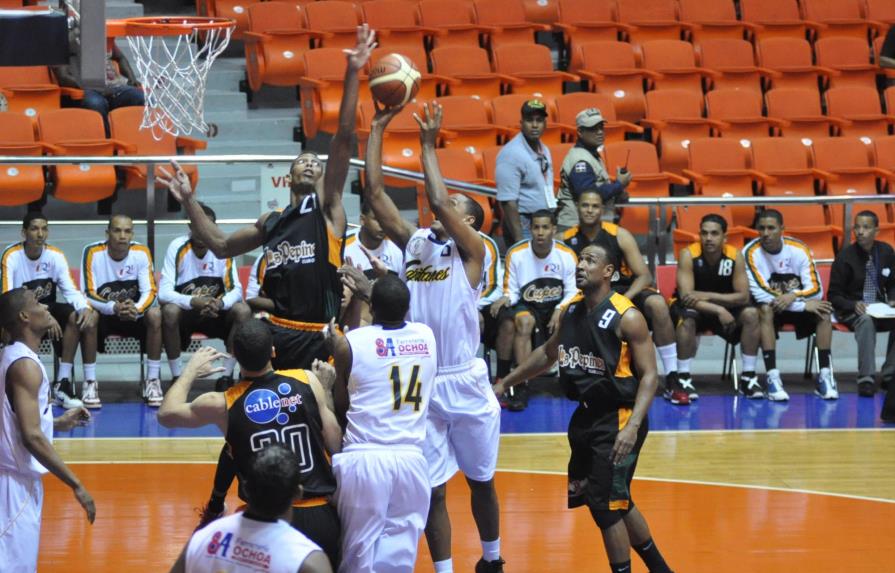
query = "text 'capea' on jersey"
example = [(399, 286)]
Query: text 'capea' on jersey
[(540, 283), (594, 363), (302, 257), (441, 296), (392, 374), (279, 407), (41, 275)]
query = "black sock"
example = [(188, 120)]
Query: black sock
[(224, 475), (621, 567), (823, 356), (651, 557), (503, 367), (770, 359), (66, 386)]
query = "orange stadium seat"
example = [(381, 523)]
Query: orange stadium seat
[(396, 25), (676, 118), (454, 20), (651, 20), (321, 90), (489, 162), (583, 21), (800, 107), (470, 67), (400, 144), (792, 59), (558, 152), (777, 18), (719, 168), (532, 66), (849, 160), (236, 10), (787, 161), (431, 85), (734, 60), (457, 164), (840, 18), (880, 11), (275, 43), (31, 90), (569, 105), (507, 23), (124, 124), (740, 110), (889, 96), (675, 62), (861, 107), (688, 218), (888, 73), (337, 21), (467, 118), (611, 68), (713, 19), (541, 11), (884, 154), (19, 184), (506, 112), (80, 132), (849, 57)]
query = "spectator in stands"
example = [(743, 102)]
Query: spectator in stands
[(540, 276), (370, 241), (887, 53), (255, 296), (524, 174), (633, 280), (119, 281), (784, 283), (713, 295), (199, 293), (863, 274), (42, 268), (583, 168)]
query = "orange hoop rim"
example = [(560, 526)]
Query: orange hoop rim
[(165, 25)]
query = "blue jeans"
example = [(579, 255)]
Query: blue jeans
[(116, 97)]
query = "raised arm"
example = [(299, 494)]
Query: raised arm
[(209, 408), (341, 147), (332, 432), (634, 260), (633, 330), (342, 360), (471, 246)]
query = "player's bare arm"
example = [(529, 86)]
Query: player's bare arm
[(332, 432), (315, 562), (342, 362), (340, 148), (632, 329), (472, 248), (632, 257), (360, 287), (209, 408), (220, 243), (24, 378), (685, 287), (540, 359), (395, 227)]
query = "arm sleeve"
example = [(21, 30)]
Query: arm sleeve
[(493, 278), (838, 282), (254, 287), (233, 286), (811, 287), (582, 177), (758, 285), (507, 176), (88, 285), (511, 281), (889, 263), (167, 284), (148, 289), (7, 272), (63, 279), (569, 287)]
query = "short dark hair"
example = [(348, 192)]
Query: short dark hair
[(475, 210), (390, 299), (578, 195), (540, 213), (116, 216), (209, 212), (273, 479), (32, 216), (11, 304), (715, 218), (252, 344), (869, 214), (772, 213)]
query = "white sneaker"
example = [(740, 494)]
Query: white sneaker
[(64, 399), (776, 393), (826, 385), (153, 392), (686, 383), (90, 395)]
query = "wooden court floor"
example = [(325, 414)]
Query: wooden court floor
[(727, 501)]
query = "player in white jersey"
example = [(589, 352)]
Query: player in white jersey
[(386, 371), (443, 270), (42, 268), (255, 288), (26, 433), (199, 293), (118, 279), (370, 242), (258, 539)]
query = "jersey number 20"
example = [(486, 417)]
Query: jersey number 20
[(412, 394)]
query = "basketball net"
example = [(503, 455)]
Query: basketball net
[(173, 71)]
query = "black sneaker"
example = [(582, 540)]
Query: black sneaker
[(223, 383), (686, 384), (64, 395), (866, 388), (517, 401), (490, 566), (750, 387), (674, 392)]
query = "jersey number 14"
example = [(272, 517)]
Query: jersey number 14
[(412, 394)]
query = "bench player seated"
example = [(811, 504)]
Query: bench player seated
[(370, 242), (540, 276), (784, 283), (199, 293), (713, 295), (633, 280), (119, 281), (42, 268), (492, 291)]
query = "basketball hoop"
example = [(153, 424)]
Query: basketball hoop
[(172, 65)]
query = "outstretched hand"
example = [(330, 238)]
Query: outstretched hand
[(384, 115), (430, 123), (178, 183), (360, 54)]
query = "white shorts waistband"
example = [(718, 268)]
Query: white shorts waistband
[(390, 448), (458, 367)]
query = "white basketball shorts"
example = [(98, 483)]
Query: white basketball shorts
[(21, 499)]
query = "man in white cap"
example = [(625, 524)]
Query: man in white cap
[(583, 168)]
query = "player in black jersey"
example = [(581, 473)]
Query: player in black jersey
[(602, 344), (289, 406), (302, 246), (713, 295), (632, 279)]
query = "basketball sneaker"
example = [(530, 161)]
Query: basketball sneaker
[(490, 566), (64, 395), (674, 393), (686, 384), (776, 393), (750, 387), (153, 393), (826, 385), (866, 388), (517, 401), (90, 395)]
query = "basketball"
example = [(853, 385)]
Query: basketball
[(394, 80)]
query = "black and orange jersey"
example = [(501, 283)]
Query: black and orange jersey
[(594, 363), (713, 277), (279, 407), (606, 237), (302, 257)]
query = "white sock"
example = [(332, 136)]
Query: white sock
[(446, 566), (668, 353), (491, 550), (683, 366), (154, 369), (90, 371), (65, 369), (176, 366), (229, 365), (749, 362)]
